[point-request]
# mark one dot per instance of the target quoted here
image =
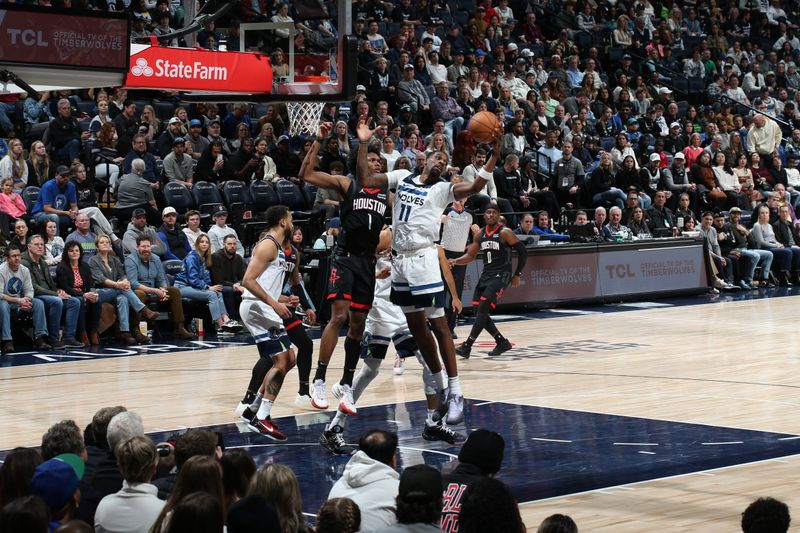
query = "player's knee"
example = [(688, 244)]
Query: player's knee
[(338, 318)]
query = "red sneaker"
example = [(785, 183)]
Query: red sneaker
[(268, 428)]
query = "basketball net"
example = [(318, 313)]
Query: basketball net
[(304, 117)]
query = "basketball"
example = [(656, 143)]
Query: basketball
[(482, 126)]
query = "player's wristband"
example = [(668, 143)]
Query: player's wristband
[(485, 175)]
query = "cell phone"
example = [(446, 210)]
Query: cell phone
[(219, 157)]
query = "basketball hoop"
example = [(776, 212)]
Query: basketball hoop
[(304, 117)]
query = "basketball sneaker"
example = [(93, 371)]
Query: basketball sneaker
[(241, 408), (501, 347), (455, 411), (319, 398), (248, 414), (399, 366), (442, 405), (463, 350), (303, 401), (344, 393), (332, 440), (443, 433), (267, 427)]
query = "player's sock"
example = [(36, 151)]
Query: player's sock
[(256, 403), (352, 350), (264, 410), (322, 369), (369, 371), (340, 419), (455, 385), (260, 370), (429, 419)]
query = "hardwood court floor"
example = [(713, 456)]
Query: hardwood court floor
[(729, 364)]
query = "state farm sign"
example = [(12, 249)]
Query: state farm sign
[(185, 69)]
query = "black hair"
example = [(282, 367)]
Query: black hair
[(558, 523), (487, 507), (766, 515), (275, 214), (11, 248), (379, 444), (28, 514), (140, 239), (418, 511), (65, 253)]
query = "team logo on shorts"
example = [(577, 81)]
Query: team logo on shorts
[(334, 277)]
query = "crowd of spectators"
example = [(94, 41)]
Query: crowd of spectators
[(111, 477), (638, 118)]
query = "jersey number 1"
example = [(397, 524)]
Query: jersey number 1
[(405, 212)]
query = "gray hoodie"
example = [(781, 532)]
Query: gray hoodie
[(131, 234), (373, 486)]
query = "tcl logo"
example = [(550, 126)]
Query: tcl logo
[(165, 68)]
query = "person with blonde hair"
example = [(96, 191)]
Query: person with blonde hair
[(200, 473), (278, 484), (13, 165), (38, 164)]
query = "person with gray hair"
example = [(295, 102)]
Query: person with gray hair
[(123, 426), (135, 506), (136, 192), (65, 134)]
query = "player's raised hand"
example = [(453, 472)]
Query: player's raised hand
[(324, 131), (363, 131)]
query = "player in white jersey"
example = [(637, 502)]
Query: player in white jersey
[(386, 324), (417, 285), (262, 314)]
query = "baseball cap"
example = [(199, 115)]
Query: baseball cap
[(664, 90), (195, 123), (405, 107), (178, 140), (420, 483), (479, 53), (138, 212), (679, 155), (511, 46), (492, 206), (169, 210), (221, 210), (459, 52), (526, 52), (631, 121), (62, 170), (521, 61), (734, 210), (335, 222), (655, 157), (675, 125), (408, 66), (361, 88), (174, 120), (56, 480), (484, 448), (283, 138), (626, 56)]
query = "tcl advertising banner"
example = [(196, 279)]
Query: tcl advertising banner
[(646, 270), (61, 39), (187, 69)]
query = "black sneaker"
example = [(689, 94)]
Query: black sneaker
[(7, 347), (443, 433), (463, 350), (72, 342), (501, 347), (332, 440), (40, 343), (248, 414), (54, 343)]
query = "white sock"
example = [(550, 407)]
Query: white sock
[(439, 378), (340, 419), (429, 420), (455, 385), (256, 402), (369, 371), (263, 411)]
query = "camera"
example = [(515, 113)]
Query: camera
[(164, 450)]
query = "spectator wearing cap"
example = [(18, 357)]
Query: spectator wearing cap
[(135, 192), (456, 38), (178, 165), (677, 178), (674, 142), (765, 103), (287, 162), (175, 240), (328, 239), (480, 456), (195, 142), (139, 151), (126, 125), (220, 230), (419, 501), (458, 68), (58, 200), (56, 482), (370, 480), (214, 130), (149, 282), (519, 89), (138, 227), (167, 139)]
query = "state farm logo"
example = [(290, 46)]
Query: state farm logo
[(141, 68), (191, 70)]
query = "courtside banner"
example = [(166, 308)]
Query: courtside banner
[(189, 69), (61, 39)]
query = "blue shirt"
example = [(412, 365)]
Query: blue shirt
[(56, 197), (194, 273), (150, 274)]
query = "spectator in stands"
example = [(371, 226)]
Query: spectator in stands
[(447, 109), (174, 239), (167, 139), (488, 506), (53, 243), (35, 113), (480, 456), (602, 184), (192, 229), (723, 268), (220, 230), (138, 227), (194, 283), (135, 193), (567, 177), (58, 200), (419, 501), (17, 295), (766, 515), (525, 225), (14, 166), (149, 282), (195, 142), (543, 228), (107, 160), (615, 229), (677, 179), (199, 474), (16, 473), (510, 196), (764, 137), (12, 207), (558, 523), (238, 115), (139, 151), (659, 215), (213, 164), (784, 234), (371, 481), (730, 244), (227, 270), (84, 237), (39, 167), (278, 484), (244, 162), (74, 277), (56, 481), (54, 299), (127, 126), (64, 133), (20, 237), (87, 201), (178, 166)]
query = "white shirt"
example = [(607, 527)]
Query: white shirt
[(131, 510), (192, 235), (469, 176), (417, 211), (217, 236), (455, 231)]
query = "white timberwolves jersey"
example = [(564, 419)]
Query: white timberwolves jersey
[(417, 212)]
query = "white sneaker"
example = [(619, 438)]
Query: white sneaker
[(303, 401), (319, 398), (399, 366), (241, 407), (346, 402)]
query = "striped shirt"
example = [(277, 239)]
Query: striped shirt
[(455, 231)]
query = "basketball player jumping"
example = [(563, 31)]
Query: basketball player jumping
[(386, 324), (262, 314), (495, 240), (417, 285), (351, 282)]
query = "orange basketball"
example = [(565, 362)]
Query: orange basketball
[(482, 126)]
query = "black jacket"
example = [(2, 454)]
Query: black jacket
[(65, 279)]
